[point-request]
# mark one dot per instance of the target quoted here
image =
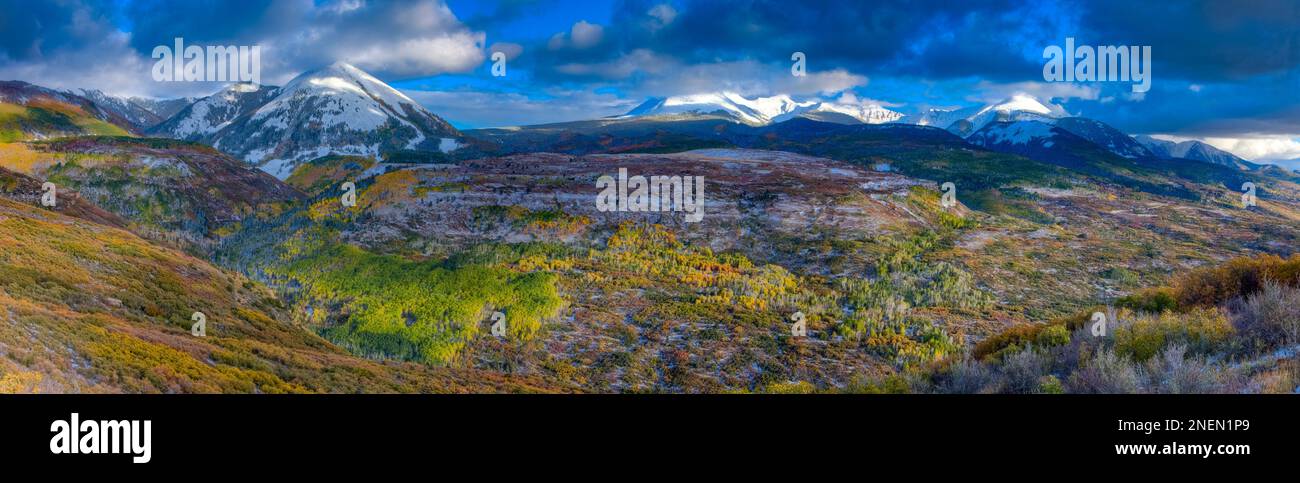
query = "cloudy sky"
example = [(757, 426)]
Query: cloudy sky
[(1225, 72)]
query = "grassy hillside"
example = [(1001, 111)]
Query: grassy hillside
[(89, 308), (395, 293), (172, 191), (1229, 328), (48, 119)]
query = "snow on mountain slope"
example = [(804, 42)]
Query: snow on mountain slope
[(867, 114), (164, 108), (45, 112), (1019, 132), (137, 115), (210, 114), (1020, 107), (756, 112), (762, 111), (1044, 142), (339, 109), (141, 112), (1192, 149), (1104, 135), (940, 118), (1159, 147)]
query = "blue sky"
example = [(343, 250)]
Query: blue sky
[(1222, 71)]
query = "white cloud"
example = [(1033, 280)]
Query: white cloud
[(399, 39), (511, 49), (987, 92), (456, 52), (848, 97), (111, 66), (662, 15), (640, 60), (1253, 148), (582, 35), (821, 82), (1261, 148), (585, 35), (665, 76), (557, 41)]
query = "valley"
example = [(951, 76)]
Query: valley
[(233, 206)]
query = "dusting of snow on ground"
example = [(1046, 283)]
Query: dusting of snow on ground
[(1017, 133)]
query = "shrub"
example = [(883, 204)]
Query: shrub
[(1174, 372), (1122, 276), (1269, 319), (1105, 373), (1202, 331), (968, 376), (799, 387), (419, 310), (1155, 300), (1049, 384), (1023, 371), (1052, 336), (1007, 341), (1240, 277), (891, 384)]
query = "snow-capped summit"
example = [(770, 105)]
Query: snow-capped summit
[(761, 111), (1020, 107), (208, 115), (338, 109), (758, 111), (968, 120), (1028, 104), (139, 116), (351, 97), (940, 118), (866, 114)]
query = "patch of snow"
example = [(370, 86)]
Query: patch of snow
[(1017, 133), (280, 168)]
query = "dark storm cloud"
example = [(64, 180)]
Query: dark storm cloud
[(87, 43), (1219, 67), (31, 30), (1204, 40), (157, 22), (927, 38)]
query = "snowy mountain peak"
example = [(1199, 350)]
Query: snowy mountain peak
[(762, 110), (1019, 132), (1019, 107), (342, 78), (1027, 103), (337, 109), (868, 114), (206, 116), (758, 111), (241, 87)]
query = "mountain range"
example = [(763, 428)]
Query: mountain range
[(762, 110), (964, 122), (342, 110), (231, 206)]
